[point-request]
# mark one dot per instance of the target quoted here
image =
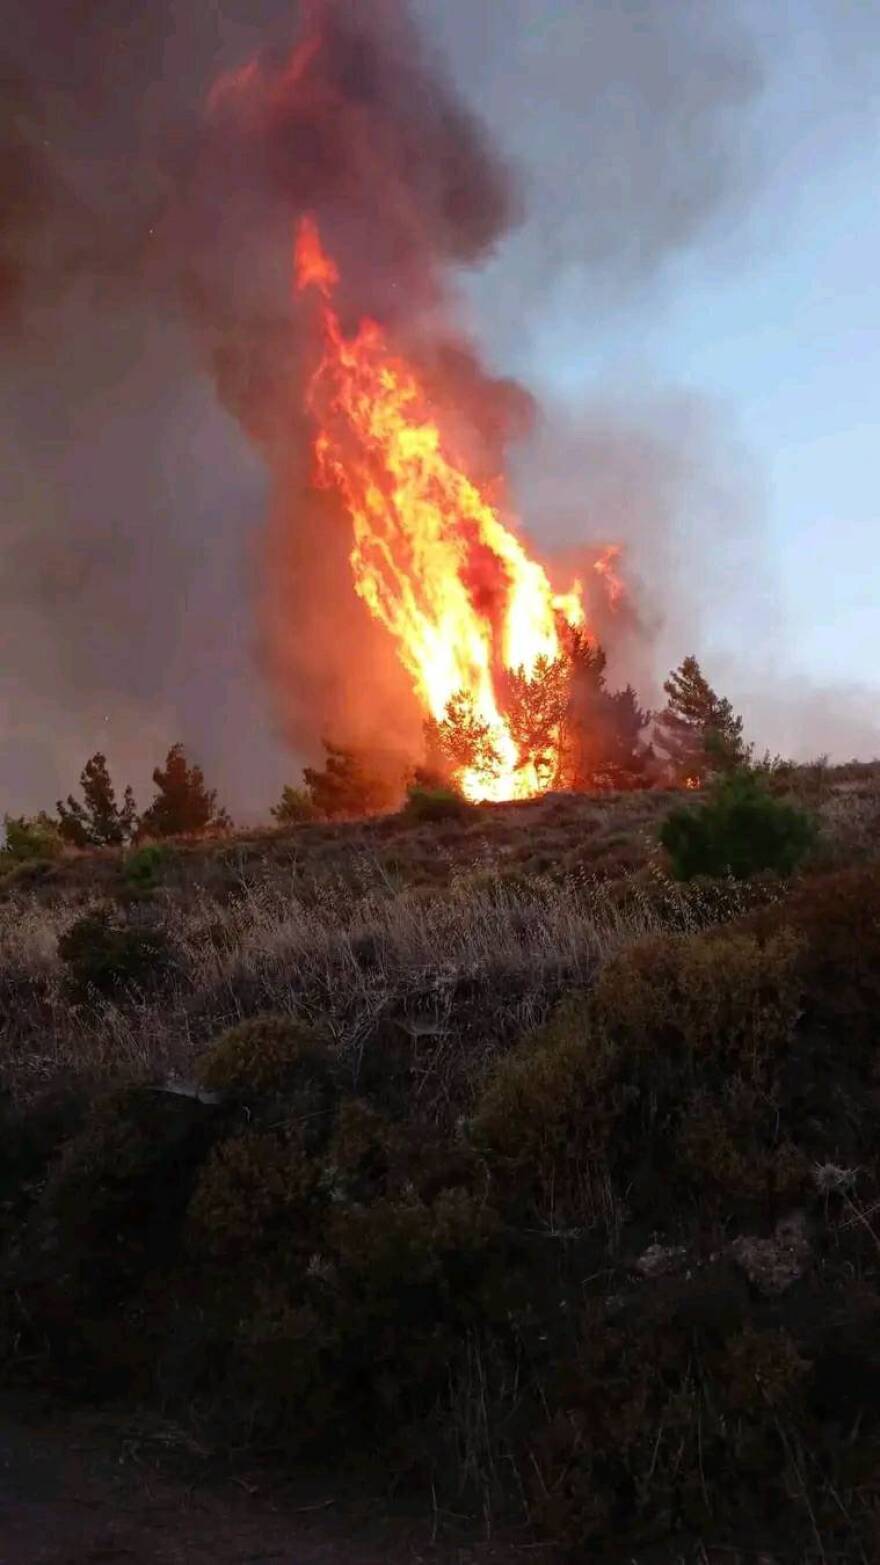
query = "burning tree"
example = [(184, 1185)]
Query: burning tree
[(477, 623), (569, 730)]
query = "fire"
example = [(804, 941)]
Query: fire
[(432, 559), (606, 569)]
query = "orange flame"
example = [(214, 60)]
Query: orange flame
[(431, 559), (606, 569)]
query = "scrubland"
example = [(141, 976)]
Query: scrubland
[(481, 1151)]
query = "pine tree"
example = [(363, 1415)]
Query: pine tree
[(349, 784), (628, 760), (98, 821), (463, 740), (697, 733), (536, 706), (583, 739), (182, 804)]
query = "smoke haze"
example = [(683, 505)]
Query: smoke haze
[(165, 571)]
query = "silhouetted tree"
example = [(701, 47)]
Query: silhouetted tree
[(350, 783), (629, 761), (697, 733), (183, 804), (98, 821)]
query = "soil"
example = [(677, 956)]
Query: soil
[(81, 1489)]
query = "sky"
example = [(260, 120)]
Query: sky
[(772, 322), (693, 297), (780, 326)]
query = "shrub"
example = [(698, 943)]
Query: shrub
[(740, 830), (27, 840), (143, 868), (546, 1113), (265, 1054), (435, 804), (722, 994), (294, 807), (761, 1370), (253, 1194), (117, 1195), (730, 1142), (105, 957), (399, 1251)]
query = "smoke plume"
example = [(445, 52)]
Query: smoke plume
[(153, 160)]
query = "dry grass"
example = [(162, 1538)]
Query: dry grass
[(481, 959), (466, 929)]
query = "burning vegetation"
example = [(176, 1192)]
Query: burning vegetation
[(472, 615), (402, 433)]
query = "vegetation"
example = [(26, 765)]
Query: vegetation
[(144, 867), (103, 956), (349, 784), (294, 807), (27, 840), (697, 733), (435, 803), (183, 804), (740, 830), (566, 723), (471, 1142), (98, 821)]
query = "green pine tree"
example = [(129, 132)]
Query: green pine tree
[(697, 734), (98, 821), (183, 804)]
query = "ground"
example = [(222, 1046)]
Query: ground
[(79, 1489)]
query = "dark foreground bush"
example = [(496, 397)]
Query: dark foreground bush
[(265, 1054), (103, 957), (740, 830)]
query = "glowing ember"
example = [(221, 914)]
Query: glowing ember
[(431, 559)]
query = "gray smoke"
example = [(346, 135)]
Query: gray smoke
[(149, 357)]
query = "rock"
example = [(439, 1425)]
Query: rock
[(773, 1265)]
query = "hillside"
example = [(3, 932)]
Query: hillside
[(540, 1184)]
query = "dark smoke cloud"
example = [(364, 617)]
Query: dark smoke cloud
[(149, 346)]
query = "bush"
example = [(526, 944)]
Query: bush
[(104, 957), (722, 995), (435, 804), (27, 840), (143, 868), (265, 1054), (253, 1194), (740, 830), (546, 1113), (115, 1199), (294, 808)]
